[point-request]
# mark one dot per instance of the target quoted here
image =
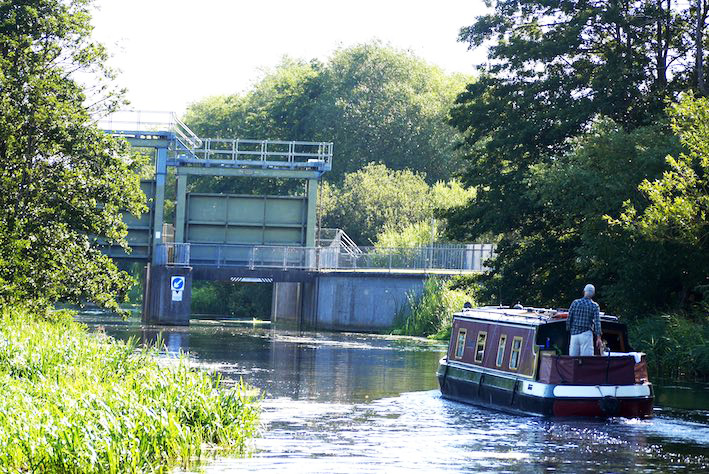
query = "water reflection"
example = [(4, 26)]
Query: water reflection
[(358, 403), (327, 367)]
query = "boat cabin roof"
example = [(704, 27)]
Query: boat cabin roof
[(527, 316)]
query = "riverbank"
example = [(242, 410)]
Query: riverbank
[(74, 401), (676, 344), (431, 313)]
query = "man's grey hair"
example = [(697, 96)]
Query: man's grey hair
[(589, 290)]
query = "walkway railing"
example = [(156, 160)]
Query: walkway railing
[(328, 237), (226, 152), (454, 259), (150, 121), (266, 152)]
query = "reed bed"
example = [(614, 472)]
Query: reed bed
[(431, 313), (74, 401)]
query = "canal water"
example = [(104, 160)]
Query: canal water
[(350, 403)]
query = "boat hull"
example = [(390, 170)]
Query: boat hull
[(518, 395)]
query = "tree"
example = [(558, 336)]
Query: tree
[(376, 103), (63, 182), (576, 191), (701, 12), (554, 68), (376, 198), (678, 210)]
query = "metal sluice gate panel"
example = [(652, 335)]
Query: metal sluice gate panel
[(246, 219), (140, 229), (222, 219)]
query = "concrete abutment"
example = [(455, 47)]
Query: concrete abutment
[(167, 297), (336, 301), (345, 301)]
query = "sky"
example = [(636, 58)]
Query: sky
[(175, 52)]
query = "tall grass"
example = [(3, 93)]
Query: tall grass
[(677, 345), (71, 401), (431, 313)]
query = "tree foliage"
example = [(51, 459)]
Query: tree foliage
[(678, 212), (376, 103), (62, 180), (563, 124), (376, 198), (679, 200)]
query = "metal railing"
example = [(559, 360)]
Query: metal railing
[(261, 153), (328, 237), (123, 121), (455, 259), (294, 154)]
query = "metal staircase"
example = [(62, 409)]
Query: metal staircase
[(339, 239)]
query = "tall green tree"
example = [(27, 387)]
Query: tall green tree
[(377, 199), (376, 103), (678, 212), (63, 182), (576, 191), (555, 67)]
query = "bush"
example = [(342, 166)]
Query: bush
[(431, 314), (79, 402), (677, 346)]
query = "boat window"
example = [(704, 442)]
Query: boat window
[(480, 346), (516, 349), (501, 346), (460, 344)]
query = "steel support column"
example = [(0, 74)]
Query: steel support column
[(159, 203), (181, 208), (312, 212)]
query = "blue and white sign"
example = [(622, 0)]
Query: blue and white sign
[(177, 285)]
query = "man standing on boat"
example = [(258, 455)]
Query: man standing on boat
[(583, 321)]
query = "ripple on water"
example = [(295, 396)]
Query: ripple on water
[(318, 417), (422, 432)]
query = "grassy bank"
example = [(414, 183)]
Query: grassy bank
[(73, 401), (677, 345), (431, 313)]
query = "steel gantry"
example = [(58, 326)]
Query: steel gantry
[(227, 218)]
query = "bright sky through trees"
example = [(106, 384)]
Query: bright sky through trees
[(174, 52)]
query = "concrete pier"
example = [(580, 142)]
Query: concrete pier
[(342, 301), (168, 295)]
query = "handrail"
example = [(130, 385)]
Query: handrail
[(459, 258), (239, 151), (191, 139)]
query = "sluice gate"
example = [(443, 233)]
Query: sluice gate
[(323, 281)]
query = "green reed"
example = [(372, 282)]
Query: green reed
[(74, 401), (431, 312)]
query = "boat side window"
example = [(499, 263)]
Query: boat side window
[(516, 349), (460, 343), (501, 346), (480, 346)]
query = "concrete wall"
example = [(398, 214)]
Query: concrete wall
[(286, 303), (159, 305), (362, 302)]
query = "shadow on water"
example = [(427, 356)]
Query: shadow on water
[(361, 403)]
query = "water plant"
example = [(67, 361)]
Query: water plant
[(74, 401), (431, 312), (677, 345)]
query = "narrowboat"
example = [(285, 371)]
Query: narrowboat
[(516, 359)]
